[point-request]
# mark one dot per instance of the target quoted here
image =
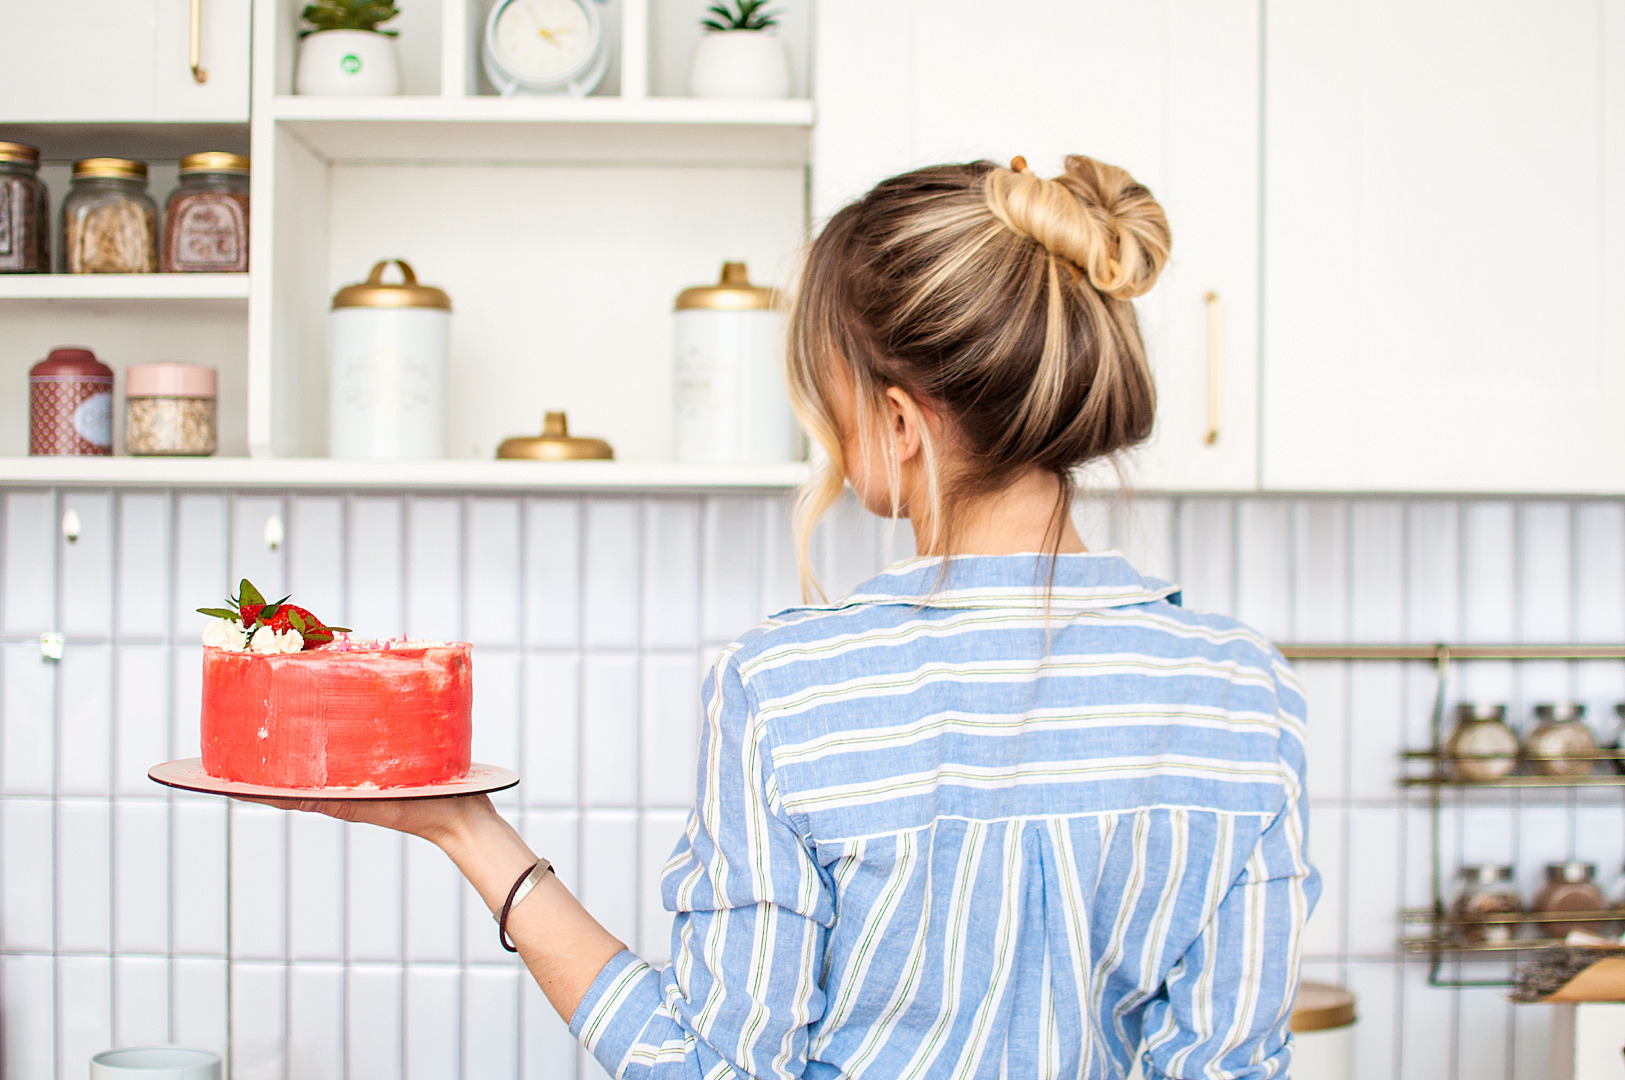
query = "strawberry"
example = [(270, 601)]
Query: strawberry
[(249, 608)]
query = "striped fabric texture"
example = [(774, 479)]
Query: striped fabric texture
[(982, 826)]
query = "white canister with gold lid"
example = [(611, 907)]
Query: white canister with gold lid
[(387, 391), (729, 397)]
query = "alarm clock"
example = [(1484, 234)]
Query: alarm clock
[(545, 47)]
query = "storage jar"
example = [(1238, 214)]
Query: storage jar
[(1481, 747), (206, 217), (1486, 891), (386, 396), (1570, 886), (109, 222), (1559, 742), (70, 404), (25, 240), (171, 409), (1618, 745), (729, 398)]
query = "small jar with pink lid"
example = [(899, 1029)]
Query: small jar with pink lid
[(171, 409)]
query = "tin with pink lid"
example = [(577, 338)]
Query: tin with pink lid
[(171, 409)]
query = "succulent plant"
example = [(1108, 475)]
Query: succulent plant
[(740, 15), (349, 15)]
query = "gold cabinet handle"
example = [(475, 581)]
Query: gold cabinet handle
[(195, 44), (1215, 366)]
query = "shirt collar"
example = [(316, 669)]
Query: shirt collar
[(1088, 581)]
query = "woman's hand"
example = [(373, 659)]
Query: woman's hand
[(441, 821)]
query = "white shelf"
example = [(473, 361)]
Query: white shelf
[(549, 129), (305, 473), (90, 287)]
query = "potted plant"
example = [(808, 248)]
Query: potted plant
[(342, 51), (739, 56)]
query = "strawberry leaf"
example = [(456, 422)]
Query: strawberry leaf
[(218, 612), (297, 621), (268, 612), (337, 629), (249, 594)]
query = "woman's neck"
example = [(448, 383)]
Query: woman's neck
[(1015, 519)]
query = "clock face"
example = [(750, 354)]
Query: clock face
[(543, 39)]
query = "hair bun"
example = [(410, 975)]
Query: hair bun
[(1095, 216)]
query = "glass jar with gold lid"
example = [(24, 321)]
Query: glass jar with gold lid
[(206, 217), (109, 222), (25, 240)]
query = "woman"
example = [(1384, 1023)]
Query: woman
[(1007, 809)]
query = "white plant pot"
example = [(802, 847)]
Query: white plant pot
[(739, 64), (348, 63)]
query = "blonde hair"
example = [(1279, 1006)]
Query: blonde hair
[(1001, 300)]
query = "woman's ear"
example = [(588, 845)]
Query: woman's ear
[(904, 419)]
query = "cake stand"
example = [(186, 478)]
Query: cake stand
[(188, 775)]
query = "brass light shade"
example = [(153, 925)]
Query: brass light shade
[(555, 443)]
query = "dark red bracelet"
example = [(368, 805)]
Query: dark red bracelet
[(521, 889)]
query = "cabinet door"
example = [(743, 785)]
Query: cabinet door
[(78, 59), (1433, 194), (1168, 92), (222, 56)]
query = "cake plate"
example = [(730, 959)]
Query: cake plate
[(188, 775)]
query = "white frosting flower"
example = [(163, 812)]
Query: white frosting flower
[(225, 634), (267, 640)]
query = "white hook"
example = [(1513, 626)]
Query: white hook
[(71, 526), (273, 532), (51, 646)]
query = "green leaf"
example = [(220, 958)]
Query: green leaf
[(218, 612), (297, 621), (268, 612), (248, 594), (338, 629)]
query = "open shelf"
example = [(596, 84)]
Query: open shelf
[(90, 287)]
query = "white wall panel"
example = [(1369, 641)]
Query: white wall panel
[(29, 600), (87, 566), (143, 566)]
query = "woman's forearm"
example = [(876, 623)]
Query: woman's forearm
[(561, 943)]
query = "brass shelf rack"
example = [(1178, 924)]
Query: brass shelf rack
[(1452, 941)]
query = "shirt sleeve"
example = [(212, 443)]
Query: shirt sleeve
[(1225, 1009), (752, 917)]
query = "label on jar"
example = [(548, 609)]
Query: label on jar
[(5, 219), (209, 234), (93, 420)]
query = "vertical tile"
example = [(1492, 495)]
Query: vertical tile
[(555, 834), (609, 871), (376, 567), (1488, 586), (1326, 693), (28, 1021), (1376, 571), (259, 881), (87, 566), (198, 1006), (659, 835), (1264, 566), (143, 565), (84, 1028), (845, 556), (434, 564), (671, 572), (84, 855), (1542, 836), (548, 1050), (1417, 859), (433, 904), (496, 714), (1321, 592), (671, 729), (374, 1038), (1377, 728), (1375, 891), (552, 572), (27, 875), (1531, 1042), (1427, 1028), (493, 572), (316, 1022), (1325, 936), (433, 1023), (609, 730), (251, 556), (84, 720), (27, 711), (140, 1000), (781, 573), (1376, 990), (1481, 1038), (1432, 571), (551, 730), (1207, 554), (1488, 834), (141, 876), (28, 589), (141, 704), (198, 889), (491, 1023), (1599, 839), (259, 995), (609, 592), (1544, 572), (202, 573), (374, 901), (316, 887), (315, 531), (1598, 603), (1146, 530), (186, 693)]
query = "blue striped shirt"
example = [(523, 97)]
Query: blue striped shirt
[(981, 828)]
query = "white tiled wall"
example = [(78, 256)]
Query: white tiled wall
[(311, 950)]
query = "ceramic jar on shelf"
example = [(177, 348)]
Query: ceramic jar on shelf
[(70, 405), (1570, 886)]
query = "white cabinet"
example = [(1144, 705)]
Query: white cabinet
[(124, 60), (1169, 92), (1434, 206)]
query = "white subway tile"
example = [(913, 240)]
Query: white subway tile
[(1544, 572), (781, 575), (186, 691), (141, 875), (1265, 574), (671, 572), (1326, 937), (1326, 693), (660, 832), (251, 556), (549, 1050), (198, 892), (143, 567), (259, 881), (315, 532), (30, 546), (140, 1000), (84, 722), (86, 566), (375, 560), (496, 714), (552, 727), (1145, 530), (1543, 835), (28, 1020), (27, 874), (1599, 839), (1376, 988), (316, 871), (480, 940), (198, 1006), (1489, 566), (141, 700), (555, 834), (433, 899), (433, 1023), (730, 600), (587, 1068), (1377, 719), (1481, 1011), (1420, 688), (1417, 859), (1377, 571), (553, 572), (375, 882), (1488, 834), (316, 1022), (1432, 570), (671, 729), (84, 852), (434, 568), (202, 573), (491, 1022), (846, 554), (609, 870), (1207, 554), (610, 578), (27, 711), (374, 1037), (609, 730), (1375, 890), (1599, 571), (493, 573), (259, 995), (1427, 1027), (84, 1027), (1320, 594), (1531, 1042)]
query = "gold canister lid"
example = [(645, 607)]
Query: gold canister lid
[(732, 292), (16, 151), (375, 292), (120, 168), (214, 161), (555, 443), (1322, 1006)]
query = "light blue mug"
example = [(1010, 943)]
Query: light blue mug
[(155, 1063)]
